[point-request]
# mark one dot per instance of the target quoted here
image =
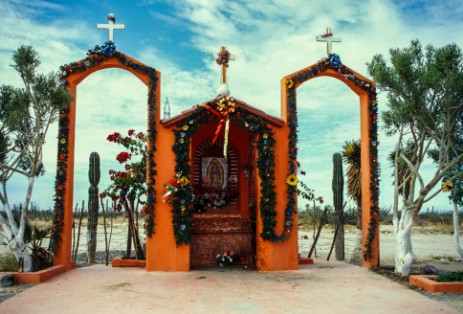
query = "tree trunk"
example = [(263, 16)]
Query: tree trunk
[(20, 252), (404, 256), (456, 232)]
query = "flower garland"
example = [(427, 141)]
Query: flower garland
[(182, 200), (334, 61), (94, 58), (58, 219)]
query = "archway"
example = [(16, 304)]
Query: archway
[(72, 74), (366, 91)]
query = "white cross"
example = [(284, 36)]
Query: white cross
[(329, 39), (111, 26)]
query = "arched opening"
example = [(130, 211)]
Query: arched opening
[(73, 74), (366, 91), (329, 115), (110, 100)]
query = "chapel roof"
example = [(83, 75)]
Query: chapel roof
[(239, 103)]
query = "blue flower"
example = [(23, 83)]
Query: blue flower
[(108, 49), (335, 60)]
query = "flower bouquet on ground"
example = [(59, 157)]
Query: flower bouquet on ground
[(227, 258)]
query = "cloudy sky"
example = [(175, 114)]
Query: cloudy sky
[(269, 39)]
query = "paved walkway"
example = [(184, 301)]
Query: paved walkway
[(332, 287)]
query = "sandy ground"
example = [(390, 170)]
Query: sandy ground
[(432, 245)]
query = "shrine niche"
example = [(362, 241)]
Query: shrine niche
[(224, 184)]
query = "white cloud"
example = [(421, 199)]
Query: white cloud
[(270, 39)]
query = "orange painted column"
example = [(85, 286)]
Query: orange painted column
[(162, 254), (63, 255), (373, 261)]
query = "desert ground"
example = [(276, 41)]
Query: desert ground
[(433, 245)]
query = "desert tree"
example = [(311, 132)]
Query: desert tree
[(453, 183), (425, 101), (25, 117)]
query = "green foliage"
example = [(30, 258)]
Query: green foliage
[(305, 192), (351, 156), (8, 262), (424, 95), (456, 276)]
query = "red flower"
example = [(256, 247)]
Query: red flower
[(131, 132), (113, 137), (140, 135), (145, 210), (122, 174), (123, 157), (320, 199)]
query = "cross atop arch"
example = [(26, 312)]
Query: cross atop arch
[(329, 39), (111, 26)]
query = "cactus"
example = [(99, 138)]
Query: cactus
[(338, 182), (93, 196), (338, 199), (94, 169)]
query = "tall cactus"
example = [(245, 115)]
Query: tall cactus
[(94, 178), (338, 200), (338, 182)]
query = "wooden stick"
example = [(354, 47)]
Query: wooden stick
[(78, 232), (322, 220)]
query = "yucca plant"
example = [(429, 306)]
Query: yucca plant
[(351, 156)]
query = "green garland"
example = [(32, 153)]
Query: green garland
[(95, 57), (183, 197), (334, 62)]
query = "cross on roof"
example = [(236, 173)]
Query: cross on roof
[(223, 58), (329, 39), (111, 26)]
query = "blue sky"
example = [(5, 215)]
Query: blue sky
[(270, 39)]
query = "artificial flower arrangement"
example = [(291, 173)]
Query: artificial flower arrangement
[(227, 258), (172, 187)]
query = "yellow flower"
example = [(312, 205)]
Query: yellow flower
[(181, 141), (265, 135), (182, 208), (447, 186), (62, 141), (289, 84), (185, 127), (183, 181), (292, 180)]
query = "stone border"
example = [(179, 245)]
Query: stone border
[(123, 262), (428, 283), (39, 276)]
